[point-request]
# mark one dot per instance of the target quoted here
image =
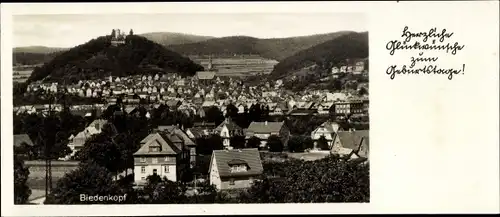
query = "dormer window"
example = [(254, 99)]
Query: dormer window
[(239, 168), (236, 166), (154, 149)]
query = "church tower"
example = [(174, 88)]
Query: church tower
[(210, 66)]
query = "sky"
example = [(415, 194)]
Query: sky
[(71, 30)]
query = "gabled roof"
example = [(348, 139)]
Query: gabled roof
[(197, 131), (205, 75), (100, 122), (162, 139), (19, 139), (330, 126), (250, 157), (265, 127), (353, 139), (229, 124)]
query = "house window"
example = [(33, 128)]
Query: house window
[(239, 168), (154, 149), (143, 159), (231, 182), (155, 160), (143, 169), (165, 168)]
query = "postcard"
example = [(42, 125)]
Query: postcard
[(249, 108)]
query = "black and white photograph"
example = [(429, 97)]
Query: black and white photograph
[(190, 108), (249, 108)]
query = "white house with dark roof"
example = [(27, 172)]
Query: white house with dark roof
[(234, 169), (77, 142), (226, 130), (328, 130), (263, 130), (163, 154), (352, 143)]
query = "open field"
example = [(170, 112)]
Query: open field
[(21, 75), (239, 65), (36, 179)]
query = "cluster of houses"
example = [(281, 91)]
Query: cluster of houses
[(355, 67), (205, 89), (313, 103), (169, 150)]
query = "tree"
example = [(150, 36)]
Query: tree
[(102, 150), (89, 179), (322, 143), (253, 142), (296, 144), (274, 143), (255, 112), (205, 193), (337, 84), (21, 188), (362, 91), (25, 151), (331, 179), (165, 192), (213, 114), (127, 146), (215, 142), (232, 111), (308, 143), (238, 142)]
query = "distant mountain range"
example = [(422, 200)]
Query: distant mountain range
[(38, 49), (293, 53), (187, 44), (98, 58), (174, 38), (276, 48)]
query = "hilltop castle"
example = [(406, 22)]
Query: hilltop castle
[(118, 37)]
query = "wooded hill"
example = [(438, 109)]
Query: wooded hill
[(329, 53), (275, 48), (97, 59)]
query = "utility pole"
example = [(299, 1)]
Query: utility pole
[(48, 147)]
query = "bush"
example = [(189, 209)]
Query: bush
[(274, 143)]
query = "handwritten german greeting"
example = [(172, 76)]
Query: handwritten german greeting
[(422, 44)]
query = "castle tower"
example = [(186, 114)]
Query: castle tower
[(117, 37)]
